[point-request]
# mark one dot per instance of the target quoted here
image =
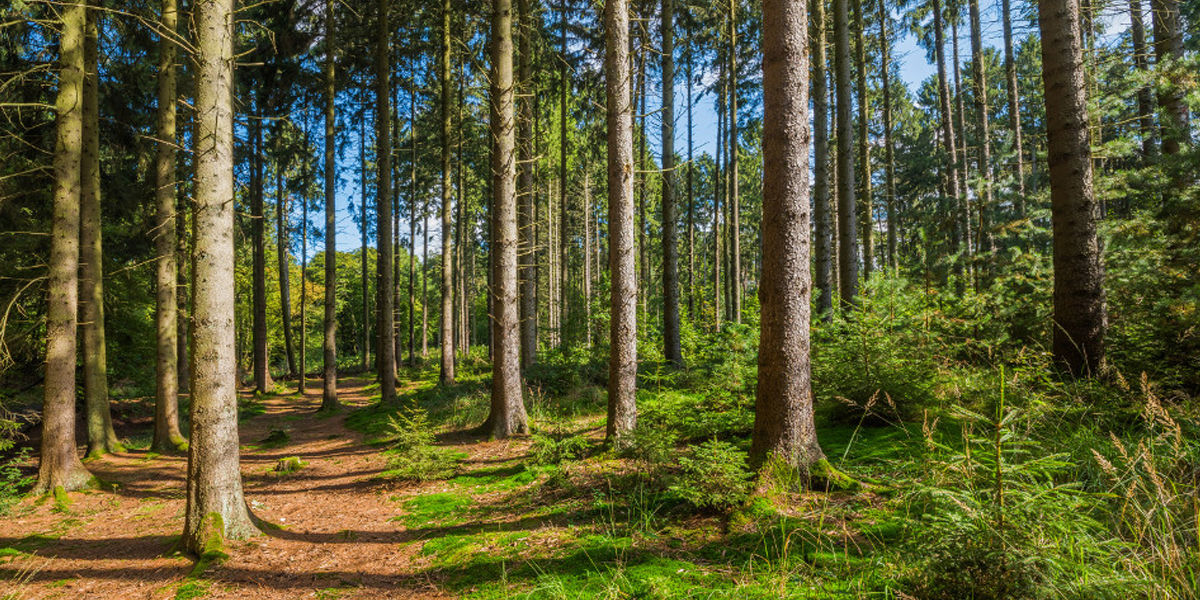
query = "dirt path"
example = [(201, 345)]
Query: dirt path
[(338, 539)]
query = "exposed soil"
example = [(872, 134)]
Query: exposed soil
[(337, 536)]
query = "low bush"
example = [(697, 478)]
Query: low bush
[(713, 476)]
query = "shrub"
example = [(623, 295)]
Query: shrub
[(713, 476), (552, 449), (412, 454)]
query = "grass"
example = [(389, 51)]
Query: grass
[(561, 517)]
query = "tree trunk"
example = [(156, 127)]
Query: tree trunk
[(947, 114), (412, 219), (847, 238), (964, 204), (622, 367), (167, 436), (446, 376), (888, 150), (383, 205), (564, 259), (60, 465), (101, 437), (734, 204), (783, 424), (866, 213), (587, 254), (672, 349), (1145, 101), (362, 165), (507, 416), (691, 195), (1014, 104), (1168, 49), (525, 159), (329, 399), (718, 185), (1080, 316), (283, 252), (303, 358), (262, 371), (979, 80), (822, 211), (216, 509)]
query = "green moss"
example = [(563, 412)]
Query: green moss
[(192, 588), (62, 502), (276, 438), (288, 465), (436, 509), (210, 539)]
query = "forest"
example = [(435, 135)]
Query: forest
[(654, 299)]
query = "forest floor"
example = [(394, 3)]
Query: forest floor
[(553, 515), (342, 531)]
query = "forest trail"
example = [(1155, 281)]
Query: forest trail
[(340, 530)]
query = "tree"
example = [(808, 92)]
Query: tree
[(1014, 104), (167, 436), (847, 242), (947, 115), (622, 365), (885, 69), (866, 213), (60, 465), (979, 81), (383, 206), (282, 252), (527, 257), (733, 152), (1080, 316), (1141, 62), (262, 373), (783, 423), (101, 437), (216, 509), (1168, 48), (507, 417), (446, 375), (670, 244), (329, 400), (822, 211)]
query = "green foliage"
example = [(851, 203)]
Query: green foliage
[(288, 465), (713, 476), (554, 448), (412, 454), (276, 438)]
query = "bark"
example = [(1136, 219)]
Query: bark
[(101, 437), (303, 359), (425, 279), (1014, 104), (362, 165), (167, 436), (507, 416), (564, 260), (1168, 48), (822, 211), (888, 150), (60, 466), (783, 424), (964, 204), (412, 220), (528, 257), (446, 376), (383, 159), (691, 195), (847, 238), (947, 116), (1145, 102), (587, 255), (329, 400), (262, 373), (283, 238), (718, 200), (734, 204), (622, 369), (866, 212), (979, 80), (1080, 316), (216, 509), (672, 350)]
